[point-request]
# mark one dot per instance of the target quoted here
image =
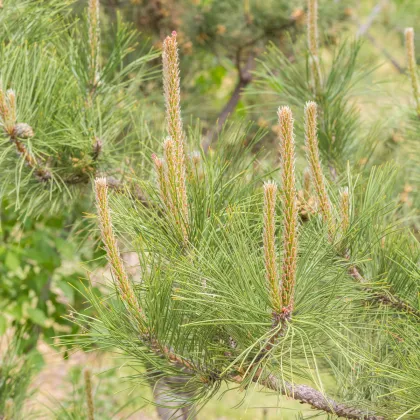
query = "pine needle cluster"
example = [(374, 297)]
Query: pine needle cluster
[(64, 122)]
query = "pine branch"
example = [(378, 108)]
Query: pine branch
[(18, 132), (314, 161), (124, 286), (269, 241), (175, 159), (325, 208), (306, 394), (363, 30), (313, 44), (244, 70), (412, 66), (385, 298), (244, 79), (290, 209)]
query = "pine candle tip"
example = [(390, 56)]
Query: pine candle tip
[(270, 189), (285, 117), (100, 181), (173, 33), (270, 185), (284, 111), (409, 31)]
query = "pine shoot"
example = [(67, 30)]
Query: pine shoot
[(94, 43), (312, 153), (412, 66), (345, 210), (290, 209), (172, 93), (313, 44), (119, 273), (269, 242)]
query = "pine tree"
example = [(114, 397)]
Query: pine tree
[(248, 279), (227, 321)]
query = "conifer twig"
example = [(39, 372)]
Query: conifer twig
[(312, 153), (113, 253), (325, 207), (172, 93), (290, 210), (18, 132), (412, 66), (313, 43), (94, 44), (269, 241), (345, 210), (89, 396), (124, 286)]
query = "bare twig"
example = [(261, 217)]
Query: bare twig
[(364, 31), (245, 78), (386, 53)]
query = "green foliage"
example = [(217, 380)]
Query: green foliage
[(16, 373), (41, 276), (342, 136), (106, 405), (80, 129), (209, 304)]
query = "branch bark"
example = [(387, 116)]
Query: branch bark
[(307, 395), (316, 399), (245, 78), (364, 31), (384, 298)]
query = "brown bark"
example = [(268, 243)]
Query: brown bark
[(316, 399), (245, 78), (383, 297)]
